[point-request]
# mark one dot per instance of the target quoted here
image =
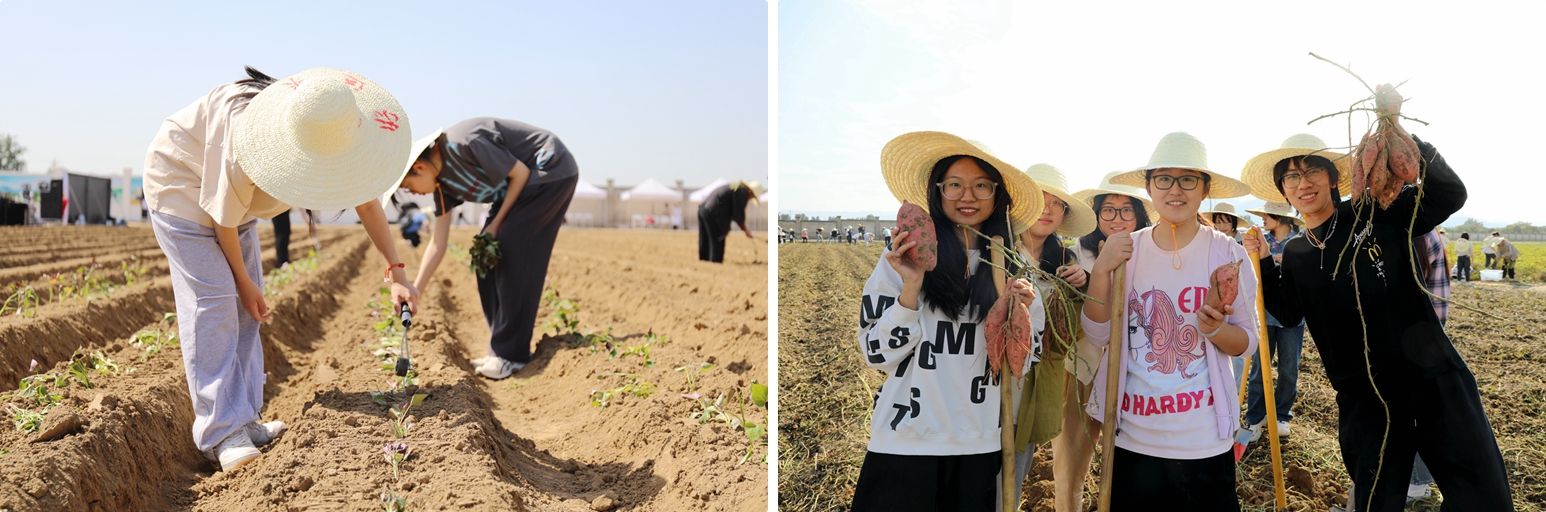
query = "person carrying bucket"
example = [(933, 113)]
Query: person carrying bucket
[(321, 139), (529, 176)]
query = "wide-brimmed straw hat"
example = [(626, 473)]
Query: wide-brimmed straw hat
[(1226, 209), (1258, 170), (1275, 208), (323, 139), (1180, 150), (1080, 219), (908, 159), (1087, 196)]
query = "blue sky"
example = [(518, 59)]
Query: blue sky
[(661, 89), (1091, 86)]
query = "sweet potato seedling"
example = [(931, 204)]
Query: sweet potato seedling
[(633, 386), (565, 317), (693, 371), (484, 254), (26, 420), (392, 502), (395, 453), (23, 302)]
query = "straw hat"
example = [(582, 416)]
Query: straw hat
[(1258, 170), (754, 186), (419, 146), (1087, 196), (323, 139), (907, 160), (1080, 219), (1226, 209), (1275, 208), (1180, 150)]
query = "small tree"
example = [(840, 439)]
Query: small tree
[(10, 154)]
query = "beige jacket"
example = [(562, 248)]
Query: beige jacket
[(191, 170)]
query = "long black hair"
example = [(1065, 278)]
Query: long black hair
[(1091, 242), (1306, 162), (947, 288)]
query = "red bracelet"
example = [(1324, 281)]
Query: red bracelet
[(387, 276)]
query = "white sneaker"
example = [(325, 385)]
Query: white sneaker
[(1282, 429), (264, 433), (1416, 492), (480, 361), (235, 451), (497, 368), (1256, 431)]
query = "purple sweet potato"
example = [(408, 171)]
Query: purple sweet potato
[(920, 228)]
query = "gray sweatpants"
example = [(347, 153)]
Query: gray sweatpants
[(221, 352)]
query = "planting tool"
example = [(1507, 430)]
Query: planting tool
[(404, 362), (1267, 381), (1115, 348)]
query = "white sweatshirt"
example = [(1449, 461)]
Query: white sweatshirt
[(938, 398)]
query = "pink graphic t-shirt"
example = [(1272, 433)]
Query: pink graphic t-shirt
[(1167, 405)]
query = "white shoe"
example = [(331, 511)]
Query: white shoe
[(235, 451), (1416, 492), (480, 361), (497, 368), (1256, 431), (1282, 429), (264, 433)]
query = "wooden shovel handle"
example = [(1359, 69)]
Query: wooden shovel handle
[(1115, 348)]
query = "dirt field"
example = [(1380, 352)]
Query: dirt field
[(682, 333), (826, 391)]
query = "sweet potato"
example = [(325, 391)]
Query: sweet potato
[(1008, 331), (1223, 286), (1387, 157), (920, 228)]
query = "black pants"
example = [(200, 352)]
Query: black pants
[(927, 483), (414, 238), (1463, 273), (281, 239), (1142, 482), (512, 292), (1441, 419), (1491, 259), (711, 237)]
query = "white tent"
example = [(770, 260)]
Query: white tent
[(589, 206), (650, 201), (703, 193), (651, 190)]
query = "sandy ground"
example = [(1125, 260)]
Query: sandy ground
[(697, 331)]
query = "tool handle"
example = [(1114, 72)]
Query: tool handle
[(406, 316)]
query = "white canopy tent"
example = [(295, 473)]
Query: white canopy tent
[(588, 208), (651, 200)]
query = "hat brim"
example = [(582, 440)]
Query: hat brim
[(1258, 171), (1221, 186), (418, 148), (907, 160), (267, 148), (1265, 213)]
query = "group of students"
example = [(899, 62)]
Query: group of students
[(1347, 274), (329, 139)]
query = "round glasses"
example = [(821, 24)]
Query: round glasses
[(1126, 213), (1164, 182), (955, 189)]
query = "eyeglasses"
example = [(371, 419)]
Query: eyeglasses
[(955, 189), (1054, 203), (1127, 213), (1292, 179), (1164, 182)]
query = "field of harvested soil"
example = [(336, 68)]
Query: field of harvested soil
[(640, 397), (826, 392)]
